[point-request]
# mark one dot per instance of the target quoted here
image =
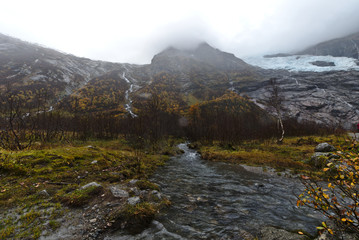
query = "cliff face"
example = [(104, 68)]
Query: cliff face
[(331, 98)]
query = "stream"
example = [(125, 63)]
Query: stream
[(128, 105), (214, 200)]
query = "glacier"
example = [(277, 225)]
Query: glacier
[(298, 63)]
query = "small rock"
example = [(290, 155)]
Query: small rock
[(94, 162), (91, 184), (118, 192), (143, 193), (93, 220), (156, 194), (90, 146), (324, 147), (44, 193), (135, 191), (133, 182), (133, 200)]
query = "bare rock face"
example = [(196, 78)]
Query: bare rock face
[(329, 98), (340, 47), (271, 233)]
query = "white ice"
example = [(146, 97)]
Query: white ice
[(298, 63)]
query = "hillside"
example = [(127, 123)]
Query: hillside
[(340, 47), (27, 66)]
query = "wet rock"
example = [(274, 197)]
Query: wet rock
[(320, 159), (271, 233), (324, 147), (91, 184), (133, 200), (118, 192)]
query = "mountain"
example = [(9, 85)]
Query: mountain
[(341, 47), (175, 59), (175, 80), (30, 66)]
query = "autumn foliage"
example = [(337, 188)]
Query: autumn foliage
[(338, 197)]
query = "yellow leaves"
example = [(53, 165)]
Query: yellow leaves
[(326, 196), (325, 169)]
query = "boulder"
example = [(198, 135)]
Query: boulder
[(118, 192), (320, 159), (324, 147)]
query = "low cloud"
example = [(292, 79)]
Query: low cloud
[(134, 31)]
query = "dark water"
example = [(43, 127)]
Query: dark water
[(212, 200)]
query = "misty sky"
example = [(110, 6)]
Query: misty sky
[(133, 30)]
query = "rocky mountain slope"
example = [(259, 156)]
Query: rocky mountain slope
[(33, 66), (330, 98), (181, 78), (341, 47)]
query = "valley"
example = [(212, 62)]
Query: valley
[(99, 150)]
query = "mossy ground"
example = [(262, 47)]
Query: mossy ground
[(61, 170), (294, 153)]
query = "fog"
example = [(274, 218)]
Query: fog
[(133, 31)]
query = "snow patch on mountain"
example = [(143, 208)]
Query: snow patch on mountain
[(297, 63)]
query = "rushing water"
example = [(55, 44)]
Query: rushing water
[(212, 200)]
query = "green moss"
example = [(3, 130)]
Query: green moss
[(30, 217), (292, 154), (135, 218), (79, 197), (61, 170), (145, 184), (54, 225), (7, 232)]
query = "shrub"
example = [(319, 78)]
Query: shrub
[(338, 197)]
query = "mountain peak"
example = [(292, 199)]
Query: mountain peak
[(177, 59)]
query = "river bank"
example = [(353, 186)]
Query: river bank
[(292, 157), (219, 200), (77, 190)]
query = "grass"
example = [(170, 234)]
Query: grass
[(293, 154), (61, 169)]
